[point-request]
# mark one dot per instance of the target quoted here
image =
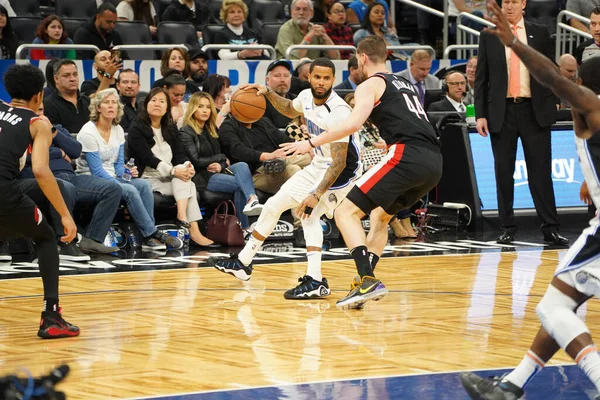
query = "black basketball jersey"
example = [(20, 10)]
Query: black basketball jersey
[(399, 115), (15, 139)]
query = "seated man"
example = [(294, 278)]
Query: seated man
[(128, 86), (105, 66), (256, 143), (455, 88), (105, 196)]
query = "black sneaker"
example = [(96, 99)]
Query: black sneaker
[(308, 288), (152, 244), (489, 388), (369, 288), (233, 266), (5, 252), (52, 326), (72, 252), (172, 242)]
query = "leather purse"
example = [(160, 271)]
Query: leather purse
[(274, 166), (225, 228)]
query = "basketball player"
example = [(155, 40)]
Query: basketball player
[(577, 276), (317, 189), (21, 130), (411, 168)]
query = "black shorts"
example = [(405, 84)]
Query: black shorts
[(404, 175), (20, 217)]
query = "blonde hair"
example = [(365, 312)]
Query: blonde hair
[(231, 3), (99, 98), (193, 104)]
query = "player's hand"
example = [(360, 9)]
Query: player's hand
[(294, 148), (309, 201), (584, 194), (502, 29), (482, 127), (261, 89), (69, 227)]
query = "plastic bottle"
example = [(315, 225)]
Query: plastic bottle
[(127, 173), (470, 114)]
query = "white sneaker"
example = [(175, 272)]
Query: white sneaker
[(253, 209)]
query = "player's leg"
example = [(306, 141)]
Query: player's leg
[(378, 234)]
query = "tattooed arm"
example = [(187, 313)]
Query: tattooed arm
[(338, 154), (283, 105)]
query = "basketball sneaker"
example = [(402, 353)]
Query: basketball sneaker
[(489, 388), (308, 288), (233, 266), (52, 326), (369, 288)]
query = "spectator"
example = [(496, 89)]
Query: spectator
[(198, 68), (374, 24), (299, 30), (321, 8), (138, 10), (175, 89), (193, 11), (279, 80), (234, 13), (102, 140), (337, 30), (418, 73), (51, 31), (176, 59), (567, 64), (584, 8), (102, 195), (353, 76), (591, 47), (455, 86), (128, 86), (476, 7), (300, 76), (9, 10), (8, 40), (106, 67), (356, 11), (258, 142), (213, 172), (49, 74), (154, 142), (99, 31), (470, 71), (218, 86)]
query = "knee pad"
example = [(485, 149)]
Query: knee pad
[(313, 233), (557, 315)]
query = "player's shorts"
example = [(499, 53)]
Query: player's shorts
[(20, 217), (402, 177)]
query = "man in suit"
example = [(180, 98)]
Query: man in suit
[(470, 71), (509, 103), (418, 73), (353, 77), (455, 86)]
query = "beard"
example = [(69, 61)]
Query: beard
[(321, 96), (199, 76)]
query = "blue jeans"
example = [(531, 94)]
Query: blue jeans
[(240, 184), (103, 195), (137, 193)]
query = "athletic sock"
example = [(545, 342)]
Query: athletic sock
[(249, 251), (529, 366), (374, 258), (361, 259), (589, 361), (51, 304), (314, 265)]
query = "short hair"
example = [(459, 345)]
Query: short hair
[(309, 2), (232, 3), (23, 81), (588, 72), (322, 62), (42, 30), (106, 6), (374, 47), (213, 84), (595, 11), (126, 71), (99, 98), (352, 63), (174, 80), (164, 61), (420, 55), (60, 63)]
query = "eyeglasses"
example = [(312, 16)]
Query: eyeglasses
[(456, 83)]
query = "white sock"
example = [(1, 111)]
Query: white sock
[(314, 265), (589, 361), (249, 251), (526, 370)]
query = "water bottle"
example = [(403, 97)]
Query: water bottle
[(470, 114), (127, 173)]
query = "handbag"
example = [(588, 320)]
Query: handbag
[(225, 228), (274, 166)]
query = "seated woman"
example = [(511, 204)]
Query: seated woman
[(138, 10), (337, 30), (8, 39), (176, 59), (102, 140), (374, 24), (234, 13), (218, 87), (175, 88), (51, 31), (200, 142), (153, 142)]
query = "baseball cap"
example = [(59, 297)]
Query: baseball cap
[(197, 53), (284, 63)]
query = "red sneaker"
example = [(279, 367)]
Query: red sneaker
[(52, 325)]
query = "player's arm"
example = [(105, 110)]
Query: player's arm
[(339, 151), (281, 104)]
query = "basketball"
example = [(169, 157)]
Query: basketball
[(247, 107)]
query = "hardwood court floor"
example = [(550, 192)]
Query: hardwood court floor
[(196, 329)]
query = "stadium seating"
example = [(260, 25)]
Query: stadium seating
[(26, 8), (171, 32), (76, 8), (136, 32), (263, 11)]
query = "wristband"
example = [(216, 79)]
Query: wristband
[(515, 40), (313, 194), (311, 145)]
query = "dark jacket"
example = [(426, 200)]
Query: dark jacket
[(491, 80), (88, 34), (441, 105), (344, 85), (202, 150), (140, 140), (90, 86), (243, 144), (277, 118), (177, 11)]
